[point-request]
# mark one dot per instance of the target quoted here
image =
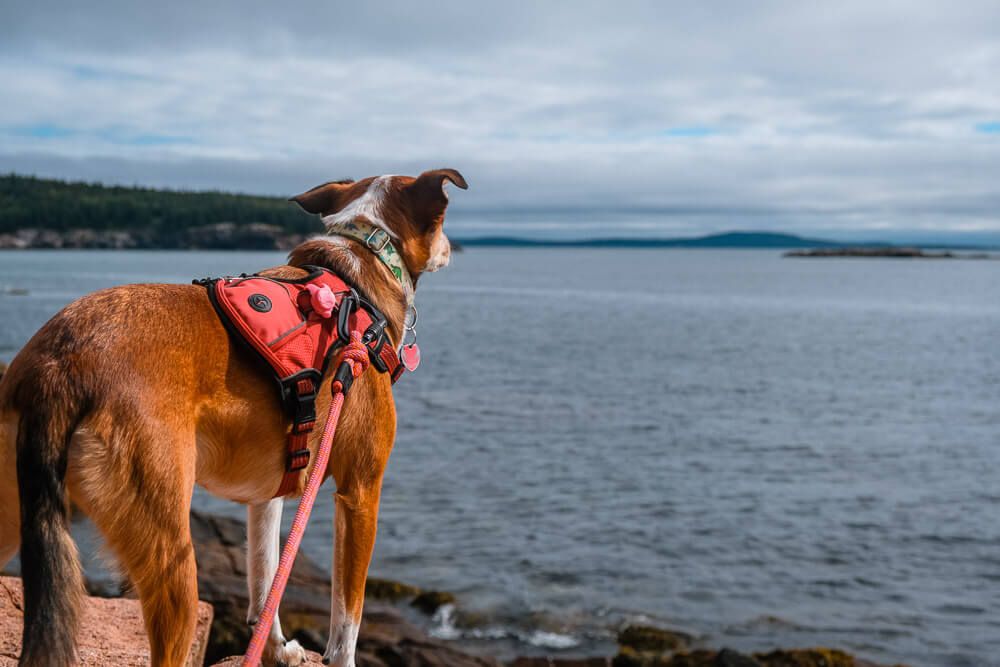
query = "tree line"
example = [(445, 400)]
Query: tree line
[(28, 202)]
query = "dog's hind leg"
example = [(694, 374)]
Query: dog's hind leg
[(263, 551), (136, 483), (10, 505)]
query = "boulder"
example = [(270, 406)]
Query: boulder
[(430, 601), (111, 631), (649, 639)]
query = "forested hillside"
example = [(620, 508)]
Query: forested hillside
[(27, 202)]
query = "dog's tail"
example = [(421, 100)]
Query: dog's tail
[(50, 566)]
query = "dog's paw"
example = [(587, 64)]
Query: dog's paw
[(338, 658), (289, 654)]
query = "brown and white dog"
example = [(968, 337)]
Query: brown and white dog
[(131, 395)]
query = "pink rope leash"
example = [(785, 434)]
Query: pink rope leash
[(356, 356)]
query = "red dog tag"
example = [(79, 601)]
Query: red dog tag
[(410, 356)]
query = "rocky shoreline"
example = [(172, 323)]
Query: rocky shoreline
[(392, 634), (218, 236), (389, 636)]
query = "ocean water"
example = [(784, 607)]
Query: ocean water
[(760, 451)]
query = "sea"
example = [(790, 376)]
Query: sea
[(757, 450)]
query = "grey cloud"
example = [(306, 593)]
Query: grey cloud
[(850, 115)]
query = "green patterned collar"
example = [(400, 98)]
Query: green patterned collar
[(379, 242)]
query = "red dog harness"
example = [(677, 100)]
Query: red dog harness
[(296, 327)]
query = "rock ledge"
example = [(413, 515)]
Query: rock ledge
[(111, 631)]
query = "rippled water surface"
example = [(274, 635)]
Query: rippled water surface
[(761, 451)]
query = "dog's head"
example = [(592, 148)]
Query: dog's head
[(410, 209)]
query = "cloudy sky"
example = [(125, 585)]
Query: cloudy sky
[(840, 117)]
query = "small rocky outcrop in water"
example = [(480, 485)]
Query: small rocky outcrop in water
[(430, 601), (891, 251)]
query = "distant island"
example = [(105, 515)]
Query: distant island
[(723, 240), (47, 213), (887, 251)]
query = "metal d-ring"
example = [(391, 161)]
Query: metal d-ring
[(411, 326)]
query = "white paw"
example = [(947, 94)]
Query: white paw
[(291, 654), (340, 647), (338, 658)]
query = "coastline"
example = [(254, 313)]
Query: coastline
[(264, 236), (398, 617)]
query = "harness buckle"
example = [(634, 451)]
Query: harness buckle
[(385, 240), (297, 460), (299, 394)]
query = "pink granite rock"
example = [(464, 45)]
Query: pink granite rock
[(111, 630)]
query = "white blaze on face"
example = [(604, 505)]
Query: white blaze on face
[(440, 253), (367, 206)]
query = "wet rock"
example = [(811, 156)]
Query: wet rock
[(648, 639), (545, 661), (648, 646), (730, 658), (389, 590), (629, 657), (430, 601), (811, 657), (705, 658)]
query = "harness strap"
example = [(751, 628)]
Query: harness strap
[(303, 397), (354, 362)]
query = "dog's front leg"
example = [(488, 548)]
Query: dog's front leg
[(355, 521), (263, 551)]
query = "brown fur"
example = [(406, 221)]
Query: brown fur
[(129, 396)]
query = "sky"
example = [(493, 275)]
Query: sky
[(588, 118)]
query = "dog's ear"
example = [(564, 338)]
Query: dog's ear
[(324, 199), (427, 193)]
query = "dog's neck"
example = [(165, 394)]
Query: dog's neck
[(379, 240), (355, 263)]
